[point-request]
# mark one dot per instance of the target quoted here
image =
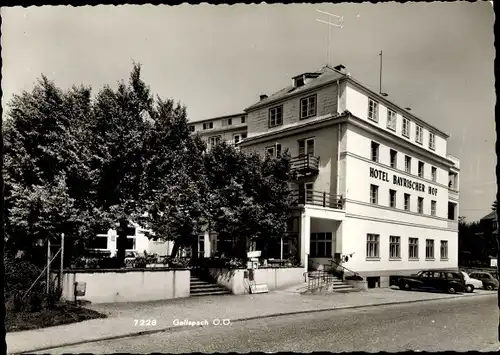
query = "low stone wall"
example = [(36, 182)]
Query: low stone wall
[(236, 280), (128, 285)]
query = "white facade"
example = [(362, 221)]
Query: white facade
[(407, 226), (138, 242), (411, 225)]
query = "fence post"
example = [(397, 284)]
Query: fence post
[(62, 263), (48, 266), (324, 199)]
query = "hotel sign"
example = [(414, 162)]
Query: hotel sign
[(400, 181)]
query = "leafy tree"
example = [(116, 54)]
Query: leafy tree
[(44, 174), (116, 144), (175, 186), (250, 201)]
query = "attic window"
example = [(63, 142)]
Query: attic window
[(299, 81)]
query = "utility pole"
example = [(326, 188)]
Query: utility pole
[(330, 23)]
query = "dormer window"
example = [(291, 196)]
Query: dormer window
[(299, 82)]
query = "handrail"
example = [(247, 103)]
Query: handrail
[(343, 267), (319, 198)]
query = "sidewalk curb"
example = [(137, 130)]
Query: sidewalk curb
[(273, 315)]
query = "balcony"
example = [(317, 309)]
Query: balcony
[(453, 194), (318, 198), (305, 165)]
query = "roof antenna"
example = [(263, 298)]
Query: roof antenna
[(380, 87), (340, 24)]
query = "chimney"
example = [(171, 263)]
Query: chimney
[(340, 68), (263, 97)]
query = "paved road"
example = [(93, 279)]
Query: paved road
[(457, 324)]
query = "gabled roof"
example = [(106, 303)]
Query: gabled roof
[(326, 75), (490, 216)]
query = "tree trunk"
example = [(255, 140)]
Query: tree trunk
[(175, 249), (121, 243)]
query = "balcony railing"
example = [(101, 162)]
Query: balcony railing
[(305, 165), (319, 198)]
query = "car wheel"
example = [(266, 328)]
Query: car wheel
[(489, 287), (451, 289), (469, 288), (406, 286)]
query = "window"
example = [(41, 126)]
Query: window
[(407, 202), (278, 149), (236, 138), (408, 164), (243, 119), (391, 120), (275, 116), (392, 198), (99, 242), (394, 159), (420, 205), (451, 210), (374, 151), (243, 135), (373, 110), (191, 128), (308, 107), (432, 141), (406, 127), (419, 132), (270, 151), (321, 245), (394, 247), (433, 173), (372, 244), (208, 125), (214, 140), (130, 245), (420, 169), (306, 146), (413, 248), (227, 122), (374, 194), (433, 208), (429, 249), (444, 249)]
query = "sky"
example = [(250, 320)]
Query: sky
[(438, 59)]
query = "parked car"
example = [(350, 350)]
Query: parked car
[(443, 280), (471, 283), (489, 282)]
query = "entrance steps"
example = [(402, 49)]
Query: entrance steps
[(334, 284), (202, 286)]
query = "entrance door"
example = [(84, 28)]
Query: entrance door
[(201, 246)]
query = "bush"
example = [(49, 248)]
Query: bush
[(140, 262), (19, 277)]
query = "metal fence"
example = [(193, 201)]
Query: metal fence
[(318, 198)]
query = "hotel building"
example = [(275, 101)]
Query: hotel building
[(377, 189)]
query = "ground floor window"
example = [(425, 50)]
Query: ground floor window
[(372, 246), (321, 245), (99, 242), (413, 248), (130, 244), (429, 249), (394, 247), (444, 249)]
